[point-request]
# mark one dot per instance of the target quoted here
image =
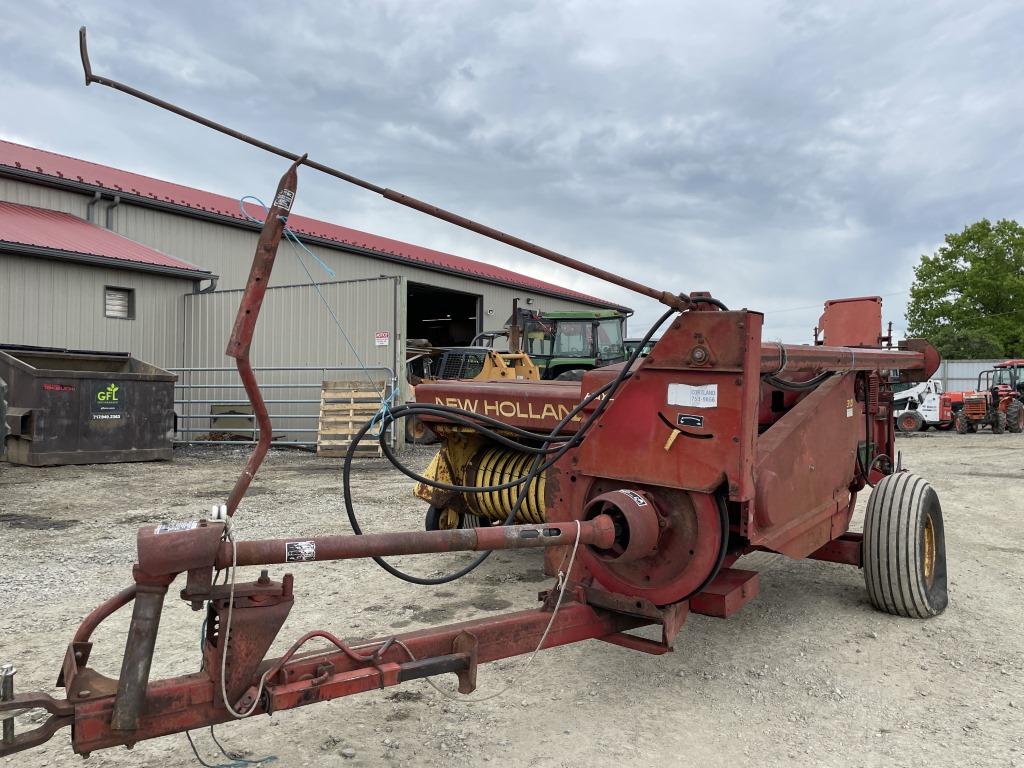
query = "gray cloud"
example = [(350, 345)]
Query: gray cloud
[(777, 154)]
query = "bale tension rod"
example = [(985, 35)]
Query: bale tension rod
[(679, 302)]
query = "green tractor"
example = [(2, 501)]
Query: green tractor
[(564, 345)]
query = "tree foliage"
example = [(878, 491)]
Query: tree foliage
[(968, 298)]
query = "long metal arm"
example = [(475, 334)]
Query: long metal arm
[(665, 297)]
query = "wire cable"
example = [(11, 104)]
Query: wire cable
[(563, 581)]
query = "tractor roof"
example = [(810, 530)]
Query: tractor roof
[(581, 314), (1010, 364)]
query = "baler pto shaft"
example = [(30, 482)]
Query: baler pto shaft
[(599, 532)]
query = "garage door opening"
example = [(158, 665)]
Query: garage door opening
[(445, 318)]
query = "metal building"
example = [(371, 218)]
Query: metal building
[(92, 257)]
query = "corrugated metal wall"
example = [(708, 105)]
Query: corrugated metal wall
[(295, 330), (227, 251), (57, 304), (962, 375), (23, 193)]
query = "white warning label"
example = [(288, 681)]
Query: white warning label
[(186, 525), (693, 395)]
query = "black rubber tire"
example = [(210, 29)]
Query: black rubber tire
[(999, 425), (1015, 416), (430, 523), (904, 541), (574, 374), (911, 421), (419, 433), (963, 424)]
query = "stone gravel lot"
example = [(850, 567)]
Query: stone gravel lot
[(808, 674)]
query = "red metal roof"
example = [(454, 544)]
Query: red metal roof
[(56, 231), (73, 170)]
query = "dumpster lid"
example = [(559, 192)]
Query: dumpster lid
[(77, 363)]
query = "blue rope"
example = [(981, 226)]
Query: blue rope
[(386, 401)]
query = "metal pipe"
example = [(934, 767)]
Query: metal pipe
[(245, 323), (599, 532), (138, 656), (109, 213), (92, 204), (102, 611), (782, 358), (665, 297)]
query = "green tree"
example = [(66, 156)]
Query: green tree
[(968, 298)]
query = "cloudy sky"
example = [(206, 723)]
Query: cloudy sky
[(775, 153)]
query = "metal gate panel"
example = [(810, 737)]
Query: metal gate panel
[(296, 347)]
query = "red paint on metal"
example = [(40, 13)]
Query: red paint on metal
[(731, 589), (190, 701), (853, 322), (599, 532), (846, 549), (53, 230), (245, 323)]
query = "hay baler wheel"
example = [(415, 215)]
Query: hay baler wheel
[(911, 421), (1015, 416), (905, 548), (963, 424), (419, 433), (999, 423)]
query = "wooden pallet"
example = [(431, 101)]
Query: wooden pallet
[(344, 407)]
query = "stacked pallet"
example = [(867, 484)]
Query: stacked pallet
[(344, 407)]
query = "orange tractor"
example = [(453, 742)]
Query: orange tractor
[(998, 401)]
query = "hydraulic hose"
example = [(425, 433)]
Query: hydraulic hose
[(554, 444)]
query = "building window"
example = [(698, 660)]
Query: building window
[(119, 303)]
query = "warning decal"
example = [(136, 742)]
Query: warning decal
[(639, 500), (185, 525), (299, 551), (693, 396)]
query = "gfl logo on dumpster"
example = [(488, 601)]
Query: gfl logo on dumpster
[(108, 395)]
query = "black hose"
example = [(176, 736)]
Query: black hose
[(538, 465), (797, 386)]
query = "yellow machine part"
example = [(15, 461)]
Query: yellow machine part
[(469, 460), (494, 466), (508, 365)]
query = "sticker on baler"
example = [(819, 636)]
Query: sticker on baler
[(184, 525), (689, 420), (299, 551), (693, 396), (849, 409), (639, 500)]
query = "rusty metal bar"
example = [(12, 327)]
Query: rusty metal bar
[(245, 323), (665, 297), (102, 611), (783, 358), (189, 702), (138, 656), (599, 532)]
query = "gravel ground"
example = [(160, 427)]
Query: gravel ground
[(807, 674)]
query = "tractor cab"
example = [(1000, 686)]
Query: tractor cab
[(1007, 377), (566, 344)]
